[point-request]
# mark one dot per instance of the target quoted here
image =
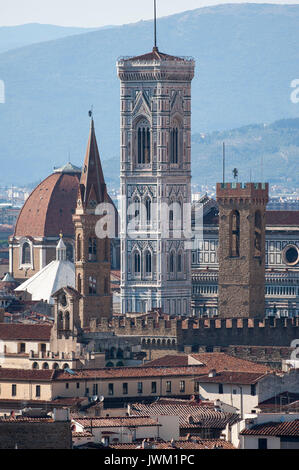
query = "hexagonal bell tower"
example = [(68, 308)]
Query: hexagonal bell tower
[(241, 252), (155, 174)]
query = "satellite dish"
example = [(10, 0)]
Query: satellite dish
[(101, 399)]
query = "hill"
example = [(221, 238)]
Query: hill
[(13, 37), (246, 56), (272, 150)]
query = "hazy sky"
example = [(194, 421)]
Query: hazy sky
[(98, 12)]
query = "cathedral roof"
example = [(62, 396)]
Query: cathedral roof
[(51, 278), (49, 208)]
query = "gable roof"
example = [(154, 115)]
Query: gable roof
[(286, 428), (21, 331), (209, 361), (192, 414), (27, 374), (127, 421)]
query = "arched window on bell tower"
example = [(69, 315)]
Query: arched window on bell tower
[(143, 142), (79, 248), (79, 283), (175, 142), (148, 210), (234, 241), (257, 233), (148, 263), (136, 263)]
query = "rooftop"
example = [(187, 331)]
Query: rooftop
[(117, 422), (285, 428), (192, 414), (25, 332)]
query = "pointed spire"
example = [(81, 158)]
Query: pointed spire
[(92, 183)]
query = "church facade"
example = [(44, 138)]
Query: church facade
[(155, 182)]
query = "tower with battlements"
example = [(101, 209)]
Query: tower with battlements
[(241, 251), (155, 182)]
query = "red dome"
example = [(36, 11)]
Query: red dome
[(49, 208)]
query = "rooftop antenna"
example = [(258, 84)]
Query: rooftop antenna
[(223, 162), (155, 25)]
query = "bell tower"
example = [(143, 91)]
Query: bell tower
[(92, 259), (155, 182), (241, 252)]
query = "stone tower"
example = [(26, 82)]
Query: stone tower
[(92, 257), (242, 249), (155, 182), (66, 321)]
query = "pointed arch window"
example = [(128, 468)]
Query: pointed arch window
[(235, 234), (148, 262), (171, 262), (137, 263), (175, 142), (79, 248), (26, 253), (79, 283), (148, 210), (60, 320), (180, 264), (137, 214), (258, 233), (92, 249), (143, 142), (174, 145)]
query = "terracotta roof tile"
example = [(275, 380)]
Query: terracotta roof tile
[(218, 361), (26, 374), (117, 422), (21, 331), (228, 377), (128, 372), (282, 217), (191, 415), (286, 428)]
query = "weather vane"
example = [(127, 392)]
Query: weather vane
[(90, 112), (235, 173)]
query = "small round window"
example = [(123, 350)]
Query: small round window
[(291, 255)]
